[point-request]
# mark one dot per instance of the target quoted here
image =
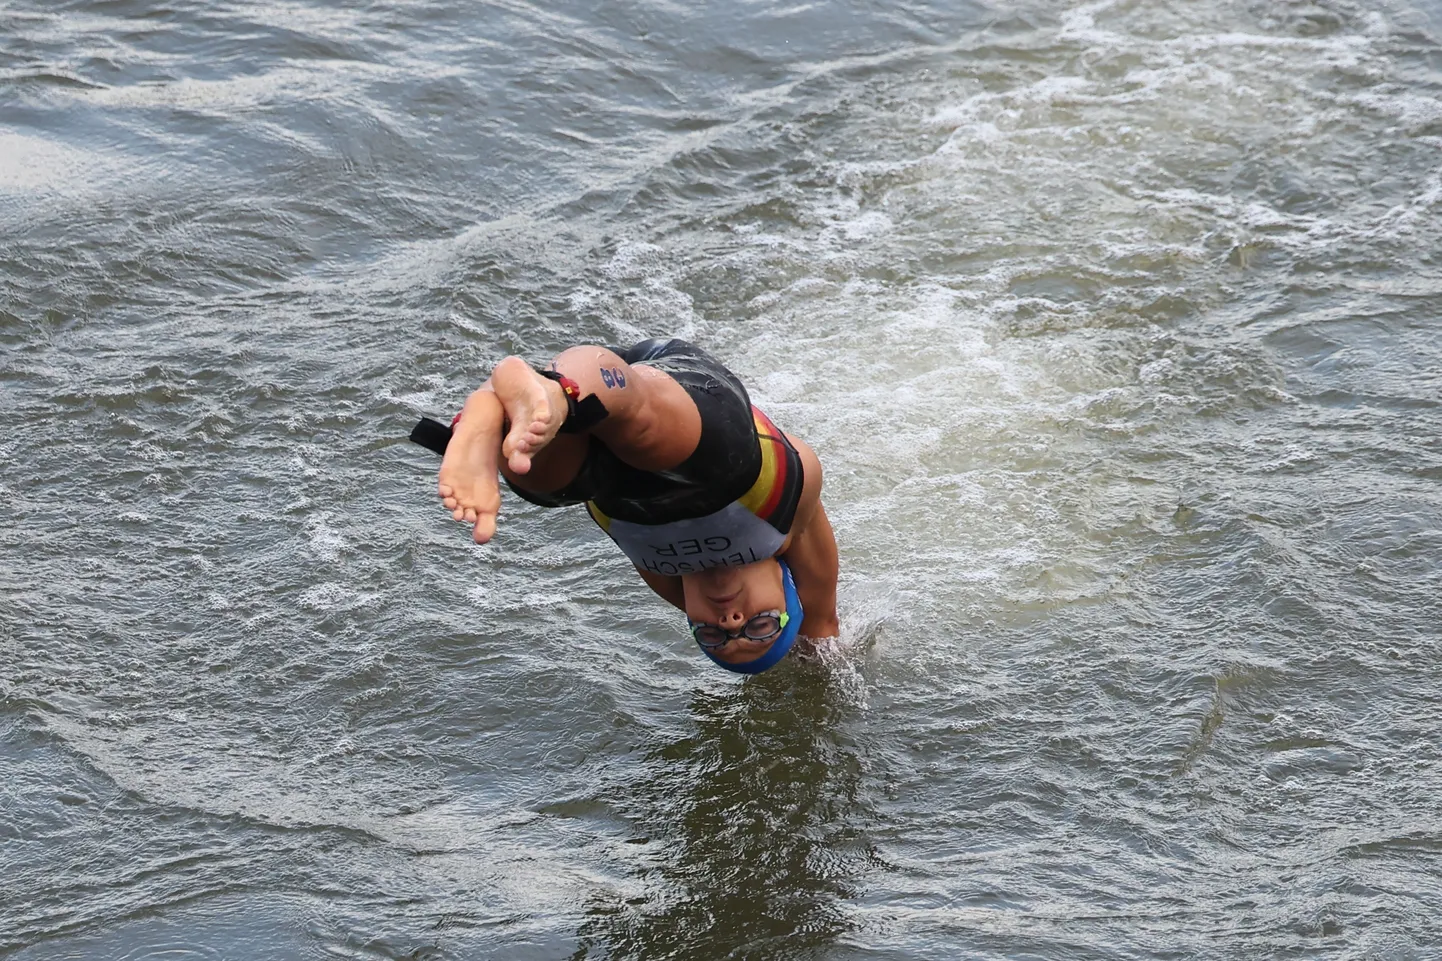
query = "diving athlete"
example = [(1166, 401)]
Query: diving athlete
[(718, 509)]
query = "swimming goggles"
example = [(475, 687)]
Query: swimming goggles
[(761, 627)]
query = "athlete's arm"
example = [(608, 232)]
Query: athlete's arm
[(810, 552)]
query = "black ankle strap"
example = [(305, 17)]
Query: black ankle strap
[(581, 414)]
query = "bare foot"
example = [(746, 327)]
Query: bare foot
[(468, 482), (536, 407)]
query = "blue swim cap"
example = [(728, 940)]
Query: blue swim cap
[(782, 644)]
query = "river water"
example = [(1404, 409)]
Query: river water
[(1115, 326)]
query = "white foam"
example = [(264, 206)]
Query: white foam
[(325, 541), (334, 596)]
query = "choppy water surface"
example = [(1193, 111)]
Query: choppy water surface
[(1114, 324)]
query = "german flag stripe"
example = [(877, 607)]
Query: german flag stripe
[(774, 496)]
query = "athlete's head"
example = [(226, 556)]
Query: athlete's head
[(744, 618)]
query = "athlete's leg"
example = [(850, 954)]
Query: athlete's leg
[(651, 423)]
